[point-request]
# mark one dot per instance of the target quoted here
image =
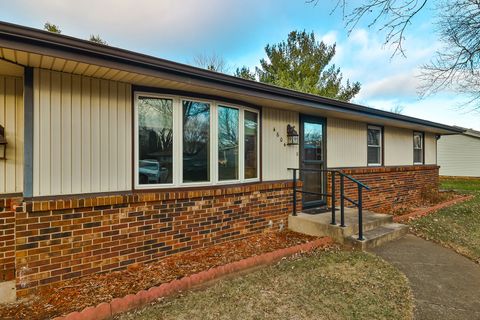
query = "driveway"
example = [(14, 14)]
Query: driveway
[(445, 284)]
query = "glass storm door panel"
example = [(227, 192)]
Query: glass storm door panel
[(312, 157)]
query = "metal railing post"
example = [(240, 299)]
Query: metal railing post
[(333, 198), (360, 214), (294, 192), (342, 201)]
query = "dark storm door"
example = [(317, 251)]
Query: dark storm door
[(312, 156)]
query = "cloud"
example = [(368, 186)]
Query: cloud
[(142, 25), (404, 84)]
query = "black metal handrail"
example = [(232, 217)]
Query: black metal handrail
[(332, 195)]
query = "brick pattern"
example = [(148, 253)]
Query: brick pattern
[(62, 239), (7, 238), (390, 186)]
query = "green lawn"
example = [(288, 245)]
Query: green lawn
[(323, 285), (457, 227)]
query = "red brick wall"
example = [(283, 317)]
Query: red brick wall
[(58, 240), (7, 239), (391, 187)]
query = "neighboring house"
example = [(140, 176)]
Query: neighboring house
[(115, 157), (459, 155)]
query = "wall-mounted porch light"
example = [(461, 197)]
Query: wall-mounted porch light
[(292, 136), (3, 143)]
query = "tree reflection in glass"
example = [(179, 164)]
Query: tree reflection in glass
[(251, 138), (312, 141), (227, 143), (155, 139), (196, 141)]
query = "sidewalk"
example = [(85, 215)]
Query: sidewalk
[(445, 284)]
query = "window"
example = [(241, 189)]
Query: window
[(374, 146), (251, 145), (228, 143), (182, 142), (196, 141), (155, 136), (418, 148)]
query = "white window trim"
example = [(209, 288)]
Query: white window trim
[(177, 166), (379, 164), (422, 146)]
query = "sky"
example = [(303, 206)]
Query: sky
[(238, 31)]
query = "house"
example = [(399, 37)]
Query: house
[(114, 157), (459, 155)]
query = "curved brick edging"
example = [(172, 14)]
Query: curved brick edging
[(429, 210), (119, 305)]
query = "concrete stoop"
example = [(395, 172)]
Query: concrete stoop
[(377, 228)]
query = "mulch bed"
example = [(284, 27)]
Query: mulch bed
[(432, 200), (418, 212), (76, 294)]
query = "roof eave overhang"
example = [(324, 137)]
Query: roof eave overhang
[(32, 40)]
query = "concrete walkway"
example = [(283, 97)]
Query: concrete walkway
[(445, 284)]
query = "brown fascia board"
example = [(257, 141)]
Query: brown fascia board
[(21, 35)]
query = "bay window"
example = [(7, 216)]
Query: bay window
[(183, 141)]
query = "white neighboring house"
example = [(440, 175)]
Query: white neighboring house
[(459, 155)]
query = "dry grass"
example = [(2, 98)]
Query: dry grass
[(323, 285)]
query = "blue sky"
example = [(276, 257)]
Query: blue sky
[(238, 31)]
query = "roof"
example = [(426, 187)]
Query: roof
[(469, 132), (25, 39)]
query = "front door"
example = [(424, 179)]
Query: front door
[(312, 142)]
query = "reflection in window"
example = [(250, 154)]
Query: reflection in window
[(313, 141), (418, 148), (374, 145), (251, 141), (227, 143), (196, 141), (155, 139)]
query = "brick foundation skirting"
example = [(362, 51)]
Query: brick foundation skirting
[(64, 238), (46, 241), (390, 186)]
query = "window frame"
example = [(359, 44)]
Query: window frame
[(177, 166), (380, 145), (422, 134)]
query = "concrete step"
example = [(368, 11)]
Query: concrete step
[(319, 225), (377, 236)]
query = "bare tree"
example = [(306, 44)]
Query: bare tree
[(397, 109), (212, 62), (456, 66)]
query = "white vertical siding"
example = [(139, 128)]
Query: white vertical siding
[(346, 143), (276, 155), (11, 117), (398, 143), (82, 129), (430, 148), (459, 155)]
